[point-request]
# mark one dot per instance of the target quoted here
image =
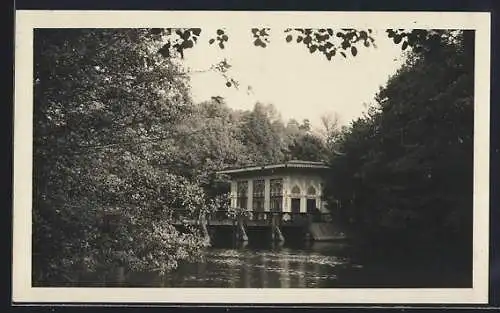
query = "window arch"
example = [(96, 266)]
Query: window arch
[(296, 190), (311, 191)]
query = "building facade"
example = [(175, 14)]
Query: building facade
[(293, 187)]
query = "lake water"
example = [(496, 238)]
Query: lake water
[(265, 267), (314, 265)]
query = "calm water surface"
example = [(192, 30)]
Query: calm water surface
[(271, 267), (310, 266)]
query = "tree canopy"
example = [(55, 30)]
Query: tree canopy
[(119, 145), (406, 167), (104, 108)]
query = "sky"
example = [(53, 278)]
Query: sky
[(299, 84)]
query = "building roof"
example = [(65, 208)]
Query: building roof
[(289, 164)]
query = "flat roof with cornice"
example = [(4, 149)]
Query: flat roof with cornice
[(289, 164)]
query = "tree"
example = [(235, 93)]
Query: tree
[(406, 166), (331, 130), (105, 106), (307, 147), (209, 142), (256, 132)]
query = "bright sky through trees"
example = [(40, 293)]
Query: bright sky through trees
[(300, 85)]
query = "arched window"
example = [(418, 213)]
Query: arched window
[(276, 186), (311, 191), (258, 195), (296, 190)]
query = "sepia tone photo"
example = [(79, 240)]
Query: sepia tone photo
[(235, 157)]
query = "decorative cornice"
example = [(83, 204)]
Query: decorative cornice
[(289, 164)]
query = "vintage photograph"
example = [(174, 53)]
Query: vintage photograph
[(253, 157)]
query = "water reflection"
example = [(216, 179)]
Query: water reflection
[(246, 266), (304, 266)]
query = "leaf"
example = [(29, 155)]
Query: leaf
[(165, 50), (220, 32), (404, 45), (299, 39), (312, 48), (330, 31), (196, 31), (185, 35), (211, 41), (397, 39), (288, 38), (343, 54), (354, 51), (225, 37), (221, 45), (259, 43)]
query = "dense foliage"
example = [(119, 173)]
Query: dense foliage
[(103, 111), (119, 145), (406, 167)]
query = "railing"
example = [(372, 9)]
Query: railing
[(256, 217)]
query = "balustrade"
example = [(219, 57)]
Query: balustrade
[(256, 217)]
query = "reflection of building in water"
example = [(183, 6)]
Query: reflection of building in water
[(294, 186), (302, 270), (284, 273), (263, 270), (246, 271), (316, 269), (234, 276)]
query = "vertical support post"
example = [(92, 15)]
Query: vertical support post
[(276, 234), (242, 231), (279, 235), (250, 195), (303, 200), (285, 207), (267, 195), (273, 223)]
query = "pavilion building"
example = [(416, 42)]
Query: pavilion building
[(290, 187)]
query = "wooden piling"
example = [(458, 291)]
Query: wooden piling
[(279, 234), (243, 232), (276, 234)]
